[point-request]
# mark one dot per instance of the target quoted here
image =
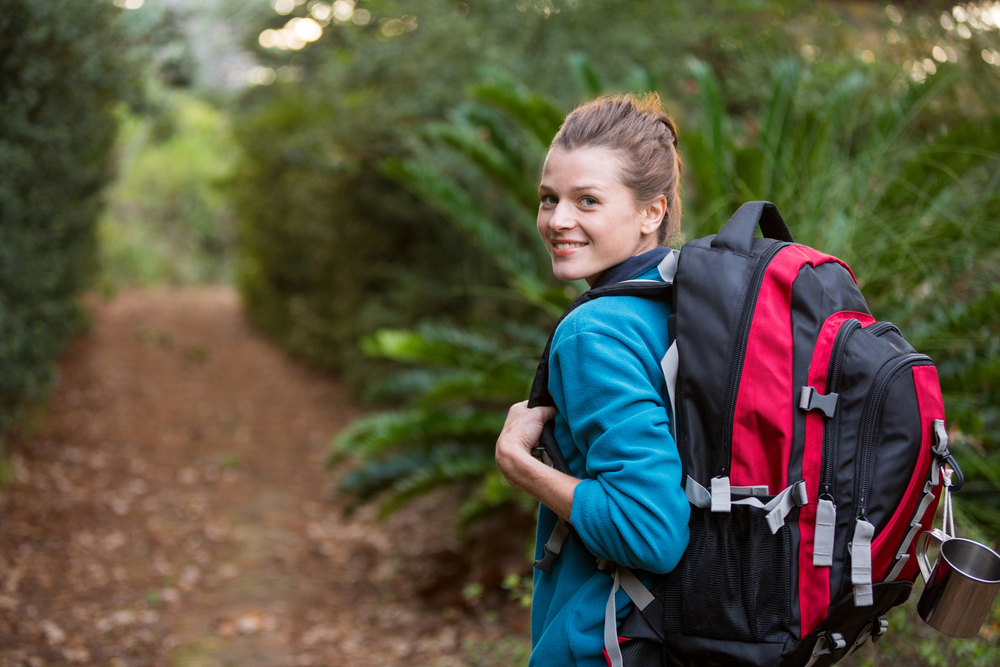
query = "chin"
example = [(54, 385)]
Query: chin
[(567, 274)]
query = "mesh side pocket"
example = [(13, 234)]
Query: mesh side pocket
[(641, 653), (732, 582)]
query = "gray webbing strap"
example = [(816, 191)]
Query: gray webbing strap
[(553, 546), (668, 266), (901, 562), (669, 367), (782, 504), (826, 644), (756, 490), (915, 527), (861, 563), (721, 495), (826, 526), (697, 494), (611, 626), (641, 598), (639, 594), (558, 537)]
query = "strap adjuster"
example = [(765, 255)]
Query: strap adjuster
[(545, 562)]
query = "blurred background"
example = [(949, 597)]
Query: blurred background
[(363, 175)]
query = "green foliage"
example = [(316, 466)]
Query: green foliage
[(336, 242), (491, 653), (851, 167), (60, 80), (458, 402), (167, 219)]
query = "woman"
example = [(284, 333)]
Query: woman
[(608, 204)]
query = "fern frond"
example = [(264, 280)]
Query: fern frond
[(492, 162), (448, 198), (446, 468), (539, 115), (400, 430)]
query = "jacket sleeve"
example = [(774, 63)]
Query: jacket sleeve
[(630, 508)]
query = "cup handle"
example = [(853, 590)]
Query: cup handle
[(921, 552)]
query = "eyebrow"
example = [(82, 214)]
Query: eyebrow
[(578, 188)]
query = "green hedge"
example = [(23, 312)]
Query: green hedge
[(61, 71)]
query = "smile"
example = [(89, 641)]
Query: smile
[(567, 246)]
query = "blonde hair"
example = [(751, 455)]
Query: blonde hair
[(646, 138)]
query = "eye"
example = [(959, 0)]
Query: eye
[(548, 200), (588, 201)]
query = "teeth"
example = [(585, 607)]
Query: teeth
[(566, 246)]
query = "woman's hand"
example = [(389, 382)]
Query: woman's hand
[(520, 434)]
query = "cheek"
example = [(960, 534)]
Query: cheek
[(542, 222)]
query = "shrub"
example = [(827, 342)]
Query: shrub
[(61, 71)]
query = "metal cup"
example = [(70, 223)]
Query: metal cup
[(961, 585)]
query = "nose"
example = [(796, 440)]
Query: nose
[(562, 216)]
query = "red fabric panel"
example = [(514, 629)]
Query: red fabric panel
[(814, 582), (762, 420), (931, 407)]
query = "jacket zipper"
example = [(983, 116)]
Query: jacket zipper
[(873, 409), (831, 427), (739, 353)]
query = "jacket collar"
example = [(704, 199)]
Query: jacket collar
[(632, 266)]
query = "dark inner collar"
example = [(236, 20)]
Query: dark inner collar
[(631, 267)]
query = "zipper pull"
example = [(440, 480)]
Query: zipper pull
[(826, 525), (861, 563)]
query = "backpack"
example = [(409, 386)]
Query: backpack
[(811, 438)]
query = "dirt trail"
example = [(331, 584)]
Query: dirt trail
[(173, 510)]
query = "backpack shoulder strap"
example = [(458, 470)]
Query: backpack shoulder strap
[(649, 289)]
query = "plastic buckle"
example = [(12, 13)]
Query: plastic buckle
[(810, 399), (545, 562), (880, 627)]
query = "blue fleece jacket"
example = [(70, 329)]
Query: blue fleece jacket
[(613, 429)]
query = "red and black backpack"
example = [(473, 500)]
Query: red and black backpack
[(811, 438)]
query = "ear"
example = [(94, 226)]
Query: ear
[(653, 215)]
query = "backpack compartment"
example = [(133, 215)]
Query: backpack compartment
[(870, 458), (894, 551)]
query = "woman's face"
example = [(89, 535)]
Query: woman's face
[(587, 217)]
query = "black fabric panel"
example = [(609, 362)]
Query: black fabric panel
[(683, 651), (645, 623), (710, 294), (897, 342), (863, 357), (897, 446)]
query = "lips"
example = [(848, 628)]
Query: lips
[(566, 248)]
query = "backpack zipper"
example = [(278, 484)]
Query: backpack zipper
[(881, 328), (873, 409), (831, 427), (739, 353)]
